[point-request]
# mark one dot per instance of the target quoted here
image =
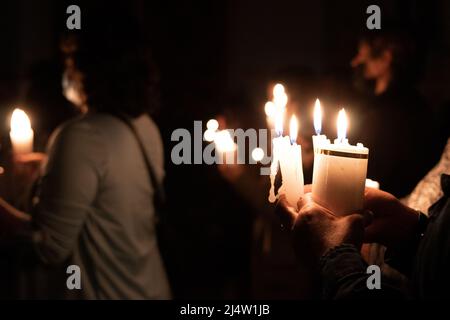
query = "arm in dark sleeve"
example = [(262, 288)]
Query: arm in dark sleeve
[(68, 190), (344, 276)]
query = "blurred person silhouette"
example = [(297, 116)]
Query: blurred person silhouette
[(394, 121), (97, 204)]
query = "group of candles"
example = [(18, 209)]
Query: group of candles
[(340, 169), (339, 173)]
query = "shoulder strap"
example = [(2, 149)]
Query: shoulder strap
[(159, 195)]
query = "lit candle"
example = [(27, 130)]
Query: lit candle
[(286, 154), (21, 133), (278, 117), (340, 171), (291, 166), (319, 138)]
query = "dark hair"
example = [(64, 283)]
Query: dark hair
[(111, 59), (402, 46)]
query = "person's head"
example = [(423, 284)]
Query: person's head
[(108, 65), (385, 57)]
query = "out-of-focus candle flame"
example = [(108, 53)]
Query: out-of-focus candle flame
[(212, 125), (279, 119), (278, 90), (269, 109), (280, 100), (258, 154), (293, 129), (20, 123), (224, 142), (342, 124), (209, 135), (21, 133), (318, 117)]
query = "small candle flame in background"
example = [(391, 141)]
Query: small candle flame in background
[(293, 129), (269, 109), (257, 154), (280, 100), (21, 133), (318, 117), (212, 126), (224, 142), (342, 124), (20, 123)]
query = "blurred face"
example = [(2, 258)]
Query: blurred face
[(372, 67)]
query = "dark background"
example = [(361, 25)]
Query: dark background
[(216, 57)]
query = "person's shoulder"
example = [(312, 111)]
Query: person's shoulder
[(79, 127)]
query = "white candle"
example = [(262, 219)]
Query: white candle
[(286, 153), (277, 117), (340, 171), (319, 138), (21, 133), (291, 166)]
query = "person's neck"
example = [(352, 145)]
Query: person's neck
[(382, 84)]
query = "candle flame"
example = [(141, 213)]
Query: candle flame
[(293, 127), (342, 124), (318, 117), (278, 90), (212, 125), (209, 135), (257, 154), (224, 142), (20, 123), (279, 119), (269, 108)]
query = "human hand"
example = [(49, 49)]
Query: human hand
[(26, 167), (394, 224), (316, 229)]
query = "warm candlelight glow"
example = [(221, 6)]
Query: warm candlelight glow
[(318, 117), (209, 135), (293, 127), (279, 119), (224, 142), (342, 124), (278, 90), (269, 108), (258, 154), (21, 133), (212, 125), (20, 123)]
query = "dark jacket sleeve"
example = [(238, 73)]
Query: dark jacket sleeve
[(345, 275)]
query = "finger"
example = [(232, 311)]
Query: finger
[(285, 212), (367, 217), (304, 200)]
